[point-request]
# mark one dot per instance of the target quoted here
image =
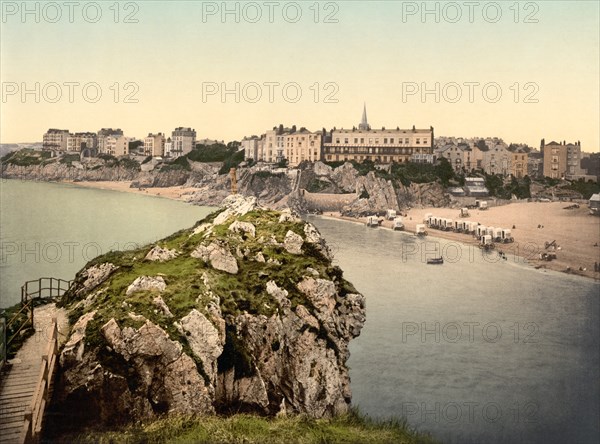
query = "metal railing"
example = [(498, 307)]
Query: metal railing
[(31, 292)]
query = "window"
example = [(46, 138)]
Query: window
[(355, 140), (392, 140), (362, 140), (346, 140), (418, 141), (385, 140), (337, 140), (424, 141), (406, 141)]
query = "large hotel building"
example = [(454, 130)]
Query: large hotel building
[(377, 145)]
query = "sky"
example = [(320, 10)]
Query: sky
[(522, 71)]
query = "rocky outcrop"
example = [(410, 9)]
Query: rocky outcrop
[(160, 254), (251, 315), (218, 255), (147, 283)]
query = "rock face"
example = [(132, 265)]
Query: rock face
[(250, 315), (160, 254), (219, 257), (146, 283)]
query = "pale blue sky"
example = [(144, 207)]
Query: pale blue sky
[(369, 54)]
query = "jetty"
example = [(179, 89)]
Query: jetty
[(26, 381)]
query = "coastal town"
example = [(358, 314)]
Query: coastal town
[(290, 146), (362, 173)]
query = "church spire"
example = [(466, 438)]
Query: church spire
[(364, 125)]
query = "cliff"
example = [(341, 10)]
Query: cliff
[(244, 312), (345, 188)]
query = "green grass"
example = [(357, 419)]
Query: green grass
[(248, 429), (190, 282), (26, 157)]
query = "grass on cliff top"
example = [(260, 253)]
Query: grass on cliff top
[(186, 289), (248, 429)]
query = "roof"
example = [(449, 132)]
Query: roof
[(595, 198)]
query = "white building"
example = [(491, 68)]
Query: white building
[(78, 141), (116, 145), (103, 134), (154, 145), (184, 141), (250, 147), (379, 146), (55, 139), (168, 147), (302, 145), (497, 160)]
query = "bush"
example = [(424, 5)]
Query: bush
[(211, 153), (181, 163), (317, 185), (129, 164), (586, 189), (68, 159), (232, 162)]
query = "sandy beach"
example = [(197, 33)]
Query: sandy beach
[(176, 193), (577, 234)]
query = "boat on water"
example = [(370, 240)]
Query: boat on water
[(435, 260)]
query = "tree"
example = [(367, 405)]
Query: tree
[(482, 145), (133, 146), (444, 171)]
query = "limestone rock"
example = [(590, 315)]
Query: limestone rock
[(74, 348), (293, 243), (205, 341), (219, 257), (243, 228), (314, 237), (147, 283), (162, 306), (277, 343), (160, 254), (235, 205), (95, 275)]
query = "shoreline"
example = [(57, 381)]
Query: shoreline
[(178, 193), (527, 251), (575, 231)]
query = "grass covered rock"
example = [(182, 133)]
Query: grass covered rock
[(244, 312)]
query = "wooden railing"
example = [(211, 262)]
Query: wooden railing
[(31, 291), (2, 342), (34, 414)]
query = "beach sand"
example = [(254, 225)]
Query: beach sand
[(176, 193), (576, 232)]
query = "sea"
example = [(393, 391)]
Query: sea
[(479, 349)]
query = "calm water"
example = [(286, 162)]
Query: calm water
[(53, 230), (475, 350), (478, 350)]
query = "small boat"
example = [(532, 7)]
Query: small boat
[(435, 260)]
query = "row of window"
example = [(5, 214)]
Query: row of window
[(369, 150), (386, 141)]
